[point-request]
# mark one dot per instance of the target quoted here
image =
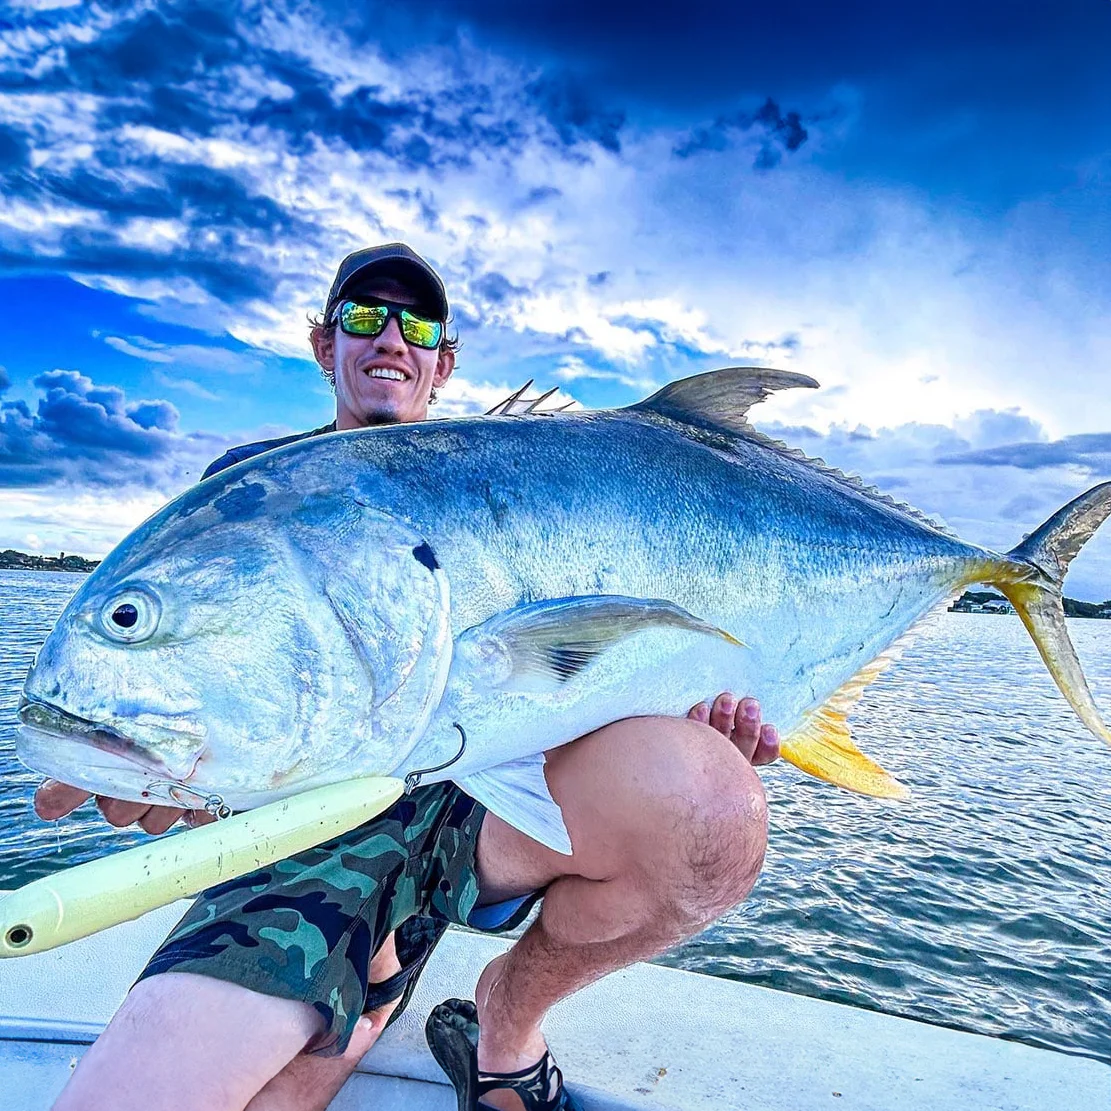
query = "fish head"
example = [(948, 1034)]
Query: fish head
[(242, 654)]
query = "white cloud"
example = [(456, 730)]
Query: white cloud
[(86, 523), (617, 269), (185, 385), (138, 348), (571, 368)]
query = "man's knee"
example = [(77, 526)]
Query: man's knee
[(696, 808), (719, 823)]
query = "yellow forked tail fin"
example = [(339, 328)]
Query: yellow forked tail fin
[(1031, 578)]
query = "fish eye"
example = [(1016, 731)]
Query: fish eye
[(130, 616), (125, 616)]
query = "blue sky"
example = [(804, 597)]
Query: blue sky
[(910, 205)]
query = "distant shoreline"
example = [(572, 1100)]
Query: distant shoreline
[(987, 601), (11, 560)]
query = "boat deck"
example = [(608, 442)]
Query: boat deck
[(644, 1038)]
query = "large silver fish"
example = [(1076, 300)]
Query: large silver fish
[(451, 599)]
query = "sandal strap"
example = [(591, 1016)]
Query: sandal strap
[(531, 1085)]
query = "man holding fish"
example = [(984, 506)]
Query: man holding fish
[(273, 987)]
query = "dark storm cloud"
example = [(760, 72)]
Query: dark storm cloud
[(574, 114), (166, 46), (176, 113), (780, 132), (94, 435), (494, 289), (1091, 451), (949, 95), (710, 48)]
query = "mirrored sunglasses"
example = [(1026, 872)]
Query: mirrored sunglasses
[(370, 320)]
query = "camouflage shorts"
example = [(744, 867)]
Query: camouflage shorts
[(306, 928)]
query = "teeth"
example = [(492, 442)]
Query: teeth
[(382, 372)]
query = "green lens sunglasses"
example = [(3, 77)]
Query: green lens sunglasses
[(370, 320)]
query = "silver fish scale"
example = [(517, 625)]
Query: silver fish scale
[(815, 576)]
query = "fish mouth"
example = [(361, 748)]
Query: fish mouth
[(45, 718)]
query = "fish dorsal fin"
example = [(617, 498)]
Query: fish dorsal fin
[(723, 397), (822, 745), (547, 403)]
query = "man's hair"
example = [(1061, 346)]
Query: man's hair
[(316, 320)]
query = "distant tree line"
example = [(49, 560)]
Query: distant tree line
[(988, 601), (11, 560)]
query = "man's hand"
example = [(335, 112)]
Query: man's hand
[(55, 800), (739, 720)]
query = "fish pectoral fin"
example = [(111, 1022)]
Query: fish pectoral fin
[(517, 792), (540, 646), (823, 745)]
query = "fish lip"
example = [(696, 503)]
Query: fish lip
[(44, 717)]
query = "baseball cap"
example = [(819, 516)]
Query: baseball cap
[(390, 260)]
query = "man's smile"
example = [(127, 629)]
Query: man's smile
[(388, 373)]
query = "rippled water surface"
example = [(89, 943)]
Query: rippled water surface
[(984, 903)]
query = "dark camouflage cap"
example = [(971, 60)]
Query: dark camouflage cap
[(390, 260)]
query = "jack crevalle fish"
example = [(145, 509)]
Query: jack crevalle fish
[(448, 600)]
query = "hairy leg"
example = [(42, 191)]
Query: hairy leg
[(669, 827)]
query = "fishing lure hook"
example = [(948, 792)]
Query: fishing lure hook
[(412, 780), (184, 796)]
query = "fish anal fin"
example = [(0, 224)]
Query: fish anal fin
[(822, 745)]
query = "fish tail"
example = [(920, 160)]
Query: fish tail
[(1031, 577)]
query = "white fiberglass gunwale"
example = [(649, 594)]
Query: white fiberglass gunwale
[(647, 1037)]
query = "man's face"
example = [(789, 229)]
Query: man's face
[(366, 368)]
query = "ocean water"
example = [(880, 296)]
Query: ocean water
[(984, 903)]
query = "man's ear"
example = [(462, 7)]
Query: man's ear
[(324, 346), (445, 364)]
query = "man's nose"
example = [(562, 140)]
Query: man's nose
[(390, 338)]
